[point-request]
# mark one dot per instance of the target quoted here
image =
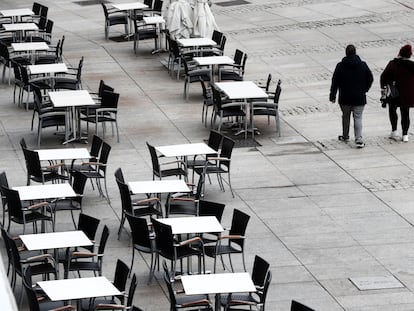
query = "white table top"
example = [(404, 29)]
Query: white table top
[(29, 46), (20, 26), (183, 150), (213, 60), (43, 192), (158, 186), (63, 154), (129, 6), (188, 225), (43, 241), (78, 288), (241, 90), (16, 12), (154, 19), (218, 283), (189, 42), (71, 98), (47, 68)]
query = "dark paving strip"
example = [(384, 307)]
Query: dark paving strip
[(232, 3)]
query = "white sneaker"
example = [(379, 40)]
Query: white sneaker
[(394, 135), (405, 138)]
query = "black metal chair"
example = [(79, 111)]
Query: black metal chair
[(143, 31), (96, 170), (261, 277), (3, 183), (209, 208), (219, 165), (23, 215), (173, 250), (193, 75), (70, 80), (179, 170), (138, 208), (114, 17), (88, 261), (234, 72), (233, 243), (143, 240)]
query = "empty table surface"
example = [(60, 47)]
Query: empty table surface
[(189, 42), (129, 6), (16, 12), (42, 241), (29, 46), (241, 90), (188, 225), (213, 60), (71, 98), (158, 186), (20, 27), (218, 283), (183, 150), (63, 154), (43, 192), (69, 289), (47, 68)]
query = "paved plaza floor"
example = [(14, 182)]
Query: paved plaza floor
[(322, 211)]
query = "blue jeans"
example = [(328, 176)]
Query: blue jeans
[(357, 116)]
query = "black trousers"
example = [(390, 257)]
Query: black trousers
[(405, 117)]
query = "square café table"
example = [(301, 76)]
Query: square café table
[(212, 61), (72, 100), (245, 90), (217, 283), (15, 14), (45, 192), (185, 150), (47, 68), (53, 240), (79, 288), (195, 42), (20, 27), (63, 154), (191, 225)]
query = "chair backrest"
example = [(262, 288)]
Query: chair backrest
[(154, 159), (131, 291), (103, 157), (217, 98), (96, 146), (89, 225), (79, 72), (109, 100), (121, 276), (6, 241), (217, 36), (226, 151), (157, 6), (139, 232), (49, 26), (239, 225), (119, 175), (260, 270), (243, 64), (199, 190), (278, 91), (297, 306), (105, 9), (208, 208), (263, 294), (33, 166), (238, 57), (103, 240), (148, 3), (24, 75), (23, 143), (79, 182), (30, 293), (171, 293), (104, 87), (175, 49), (184, 62), (125, 197), (269, 79), (222, 43), (43, 11), (214, 140), (3, 183), (42, 23), (60, 50), (36, 7), (164, 238), (37, 96), (16, 71)]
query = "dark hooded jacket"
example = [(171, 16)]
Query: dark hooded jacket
[(352, 78), (400, 71)]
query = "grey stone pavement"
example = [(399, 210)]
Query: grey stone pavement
[(321, 211)]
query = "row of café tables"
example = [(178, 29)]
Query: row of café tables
[(76, 289)]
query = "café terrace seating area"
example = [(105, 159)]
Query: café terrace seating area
[(141, 168)]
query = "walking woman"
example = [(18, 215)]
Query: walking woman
[(400, 72)]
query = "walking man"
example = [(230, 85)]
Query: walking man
[(352, 78)]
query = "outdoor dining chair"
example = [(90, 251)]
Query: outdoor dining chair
[(178, 169), (194, 75), (70, 80), (114, 17), (234, 72), (261, 277), (231, 243), (144, 31), (297, 306)]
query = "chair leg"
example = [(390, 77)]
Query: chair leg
[(121, 225), (132, 260), (231, 188), (231, 263)]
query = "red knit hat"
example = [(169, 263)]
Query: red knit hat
[(406, 51)]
